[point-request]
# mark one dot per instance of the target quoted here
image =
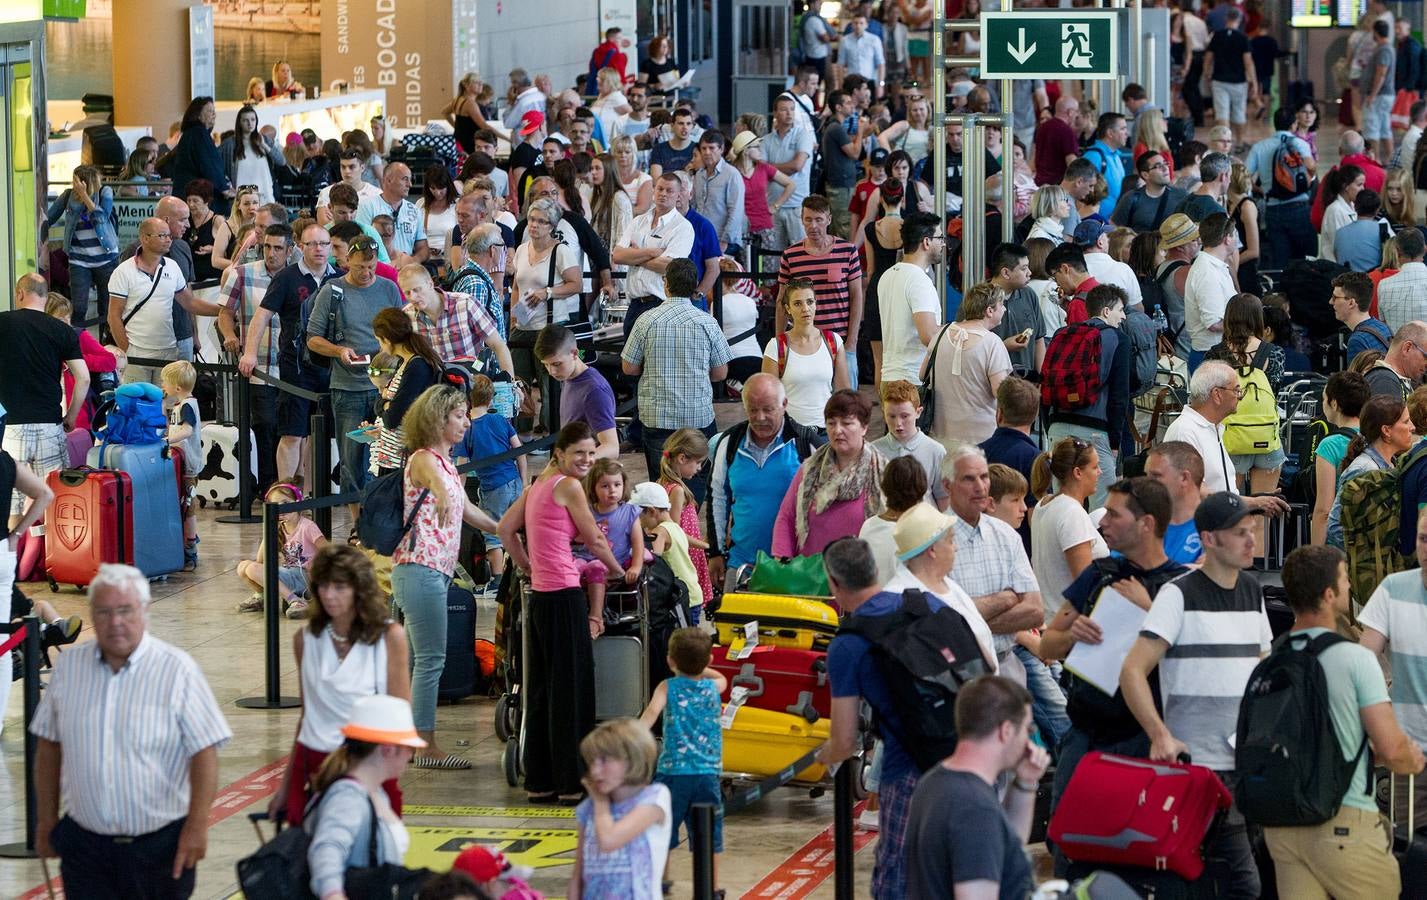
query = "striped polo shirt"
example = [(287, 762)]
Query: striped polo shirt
[(127, 736), (831, 273), (1216, 637), (1398, 611)]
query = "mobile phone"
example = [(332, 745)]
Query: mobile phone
[(362, 360)]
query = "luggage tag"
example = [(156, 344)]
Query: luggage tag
[(743, 647), (736, 698)]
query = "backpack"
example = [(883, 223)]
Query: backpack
[(1253, 427), (1376, 330), (1305, 485), (1070, 375), (1290, 174), (332, 332), (592, 85), (1291, 769), (924, 654), (135, 415), (1154, 296), (380, 524), (828, 337), (1144, 350), (1370, 507)]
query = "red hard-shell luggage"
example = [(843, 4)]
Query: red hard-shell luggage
[(90, 522), (780, 679), (1126, 811)]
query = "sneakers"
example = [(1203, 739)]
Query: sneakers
[(252, 604), (190, 555), (869, 819), (62, 631), (297, 609)]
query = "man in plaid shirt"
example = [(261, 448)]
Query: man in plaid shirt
[(241, 294), (456, 325)]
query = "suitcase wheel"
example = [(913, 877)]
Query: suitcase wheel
[(859, 782), (504, 718), (510, 762), (54, 585)]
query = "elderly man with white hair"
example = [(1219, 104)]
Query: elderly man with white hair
[(1213, 396), (133, 729)]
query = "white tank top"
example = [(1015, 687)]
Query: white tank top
[(330, 687)]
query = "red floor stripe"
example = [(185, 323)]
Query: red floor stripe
[(809, 866), (229, 800)]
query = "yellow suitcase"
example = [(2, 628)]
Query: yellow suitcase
[(761, 743), (802, 623)]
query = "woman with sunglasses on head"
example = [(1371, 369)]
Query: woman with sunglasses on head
[(248, 156), (225, 231)]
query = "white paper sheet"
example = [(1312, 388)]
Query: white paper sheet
[(1119, 621)]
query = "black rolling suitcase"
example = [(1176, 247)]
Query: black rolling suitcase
[(459, 677)]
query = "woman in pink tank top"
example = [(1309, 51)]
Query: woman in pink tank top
[(425, 559), (560, 671)]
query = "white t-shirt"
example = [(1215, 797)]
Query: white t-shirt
[(536, 277), (255, 169), (324, 196), (877, 532), (152, 327), (438, 225), (1105, 269), (1398, 611), (1059, 524), (807, 378), (740, 313), (902, 290)]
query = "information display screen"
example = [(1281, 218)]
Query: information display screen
[(1314, 13), (1349, 11)]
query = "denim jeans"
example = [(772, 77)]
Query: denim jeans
[(418, 594), (494, 501), (349, 410), (81, 279), (1048, 708), (653, 440), (1101, 442), (850, 354)]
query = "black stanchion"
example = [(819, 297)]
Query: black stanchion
[(319, 469), (701, 837), (244, 514), (272, 613), (34, 652), (843, 863)]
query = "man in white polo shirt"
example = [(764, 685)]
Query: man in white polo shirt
[(651, 242), (409, 242), (146, 286), (1209, 286), (1213, 397)]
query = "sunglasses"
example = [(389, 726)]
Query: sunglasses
[(379, 371), (361, 244)]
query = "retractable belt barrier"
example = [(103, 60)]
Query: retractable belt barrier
[(26, 634)]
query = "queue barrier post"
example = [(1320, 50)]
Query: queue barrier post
[(33, 651), (272, 611), (843, 860), (319, 469), (701, 837), (244, 514)]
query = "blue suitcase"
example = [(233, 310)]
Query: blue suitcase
[(158, 528)]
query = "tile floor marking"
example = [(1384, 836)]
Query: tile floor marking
[(809, 866)]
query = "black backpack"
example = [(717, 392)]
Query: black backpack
[(1291, 769), (925, 655), (380, 523), (332, 331)]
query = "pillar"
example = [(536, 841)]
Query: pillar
[(151, 63)]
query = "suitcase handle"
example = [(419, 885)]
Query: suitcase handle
[(747, 677)]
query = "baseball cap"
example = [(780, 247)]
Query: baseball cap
[(531, 122), (1176, 231), (918, 528), (878, 157), (647, 494), (1090, 230), (1219, 511)]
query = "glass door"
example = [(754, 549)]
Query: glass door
[(7, 188)]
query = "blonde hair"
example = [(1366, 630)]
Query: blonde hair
[(1046, 201), (625, 740), (1149, 130), (180, 373), (58, 306), (979, 300), (688, 442), (1404, 213), (425, 419), (609, 79)]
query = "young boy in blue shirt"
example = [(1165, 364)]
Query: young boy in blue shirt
[(491, 435)]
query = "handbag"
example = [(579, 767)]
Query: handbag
[(387, 881), (928, 388), (801, 576)]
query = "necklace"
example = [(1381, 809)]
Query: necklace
[(337, 639)]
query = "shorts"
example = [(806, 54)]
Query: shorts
[(1230, 101), (41, 448), (1377, 118), (592, 571), (294, 413), (494, 501), (684, 792), (185, 499), (1264, 462), (294, 578)]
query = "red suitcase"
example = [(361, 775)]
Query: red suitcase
[(90, 522), (781, 679), (1125, 811)]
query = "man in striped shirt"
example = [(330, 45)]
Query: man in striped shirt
[(1206, 631), (835, 270), (133, 728)]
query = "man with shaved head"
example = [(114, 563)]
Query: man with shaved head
[(147, 287), (409, 241), (175, 213), (752, 462)]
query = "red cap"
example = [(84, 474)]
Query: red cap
[(481, 863), (531, 122)]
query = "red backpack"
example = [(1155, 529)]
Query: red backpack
[(1070, 376), (828, 337)]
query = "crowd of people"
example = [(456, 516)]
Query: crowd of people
[(1108, 404)]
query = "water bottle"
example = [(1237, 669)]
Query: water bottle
[(1161, 323)]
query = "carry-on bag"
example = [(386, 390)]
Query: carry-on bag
[(1126, 811), (458, 677), (781, 679), (89, 523), (800, 622), (158, 537), (760, 743)]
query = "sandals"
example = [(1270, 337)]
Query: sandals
[(353, 540), (444, 762)]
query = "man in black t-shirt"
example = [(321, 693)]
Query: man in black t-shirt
[(38, 348), (1228, 60), (955, 167), (960, 838)]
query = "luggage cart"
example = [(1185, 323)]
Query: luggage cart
[(621, 657)]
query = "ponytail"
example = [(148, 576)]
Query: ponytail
[(340, 762), (1040, 476)]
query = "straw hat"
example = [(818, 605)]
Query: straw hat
[(741, 142), (382, 719), (1176, 231), (919, 528)]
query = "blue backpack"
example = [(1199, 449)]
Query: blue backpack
[(136, 416)]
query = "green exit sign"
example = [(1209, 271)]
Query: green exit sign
[(1071, 44)]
